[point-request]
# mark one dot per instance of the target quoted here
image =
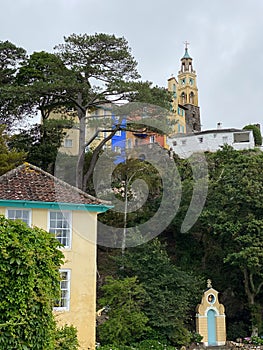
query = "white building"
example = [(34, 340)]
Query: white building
[(210, 141)]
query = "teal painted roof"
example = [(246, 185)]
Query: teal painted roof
[(186, 54)]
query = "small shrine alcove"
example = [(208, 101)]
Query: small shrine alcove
[(210, 318)]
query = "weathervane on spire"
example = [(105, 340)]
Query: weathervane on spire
[(186, 44)]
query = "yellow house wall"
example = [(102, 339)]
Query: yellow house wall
[(81, 260), (72, 134), (92, 125)]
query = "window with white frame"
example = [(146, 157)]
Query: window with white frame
[(19, 214), (68, 143), (64, 301), (118, 133), (60, 225), (152, 139)]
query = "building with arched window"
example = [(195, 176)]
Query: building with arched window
[(185, 93)]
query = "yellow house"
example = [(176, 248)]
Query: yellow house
[(39, 199), (97, 121)]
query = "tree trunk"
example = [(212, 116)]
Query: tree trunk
[(82, 140), (255, 310), (95, 155), (81, 155)]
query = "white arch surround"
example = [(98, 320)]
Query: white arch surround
[(211, 308)]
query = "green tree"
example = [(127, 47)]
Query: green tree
[(87, 71), (127, 199), (9, 159), (44, 79), (171, 292), (145, 92), (256, 133), (232, 222), (11, 57), (102, 65), (41, 142), (127, 323), (66, 338), (29, 262), (106, 72)]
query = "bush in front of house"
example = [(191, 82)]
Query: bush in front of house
[(66, 338)]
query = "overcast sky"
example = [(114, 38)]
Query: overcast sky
[(226, 43)]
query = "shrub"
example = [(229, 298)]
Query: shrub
[(256, 133), (66, 338)]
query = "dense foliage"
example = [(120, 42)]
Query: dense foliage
[(256, 133), (41, 142), (143, 345), (66, 338), (168, 297), (127, 322), (9, 159), (29, 262), (227, 238), (225, 244)]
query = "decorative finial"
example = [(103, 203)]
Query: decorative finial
[(186, 44), (209, 283)]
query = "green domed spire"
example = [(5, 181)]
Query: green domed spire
[(186, 54)]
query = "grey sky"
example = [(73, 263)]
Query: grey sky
[(226, 43)]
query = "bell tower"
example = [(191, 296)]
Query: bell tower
[(188, 92)]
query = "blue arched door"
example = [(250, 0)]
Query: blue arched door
[(211, 327)]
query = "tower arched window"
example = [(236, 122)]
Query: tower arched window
[(191, 97), (183, 97)]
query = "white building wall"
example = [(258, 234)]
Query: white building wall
[(186, 145)]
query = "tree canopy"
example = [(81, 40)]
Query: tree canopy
[(9, 159), (256, 133), (85, 72), (226, 239)]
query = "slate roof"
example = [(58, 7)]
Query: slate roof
[(30, 183)]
